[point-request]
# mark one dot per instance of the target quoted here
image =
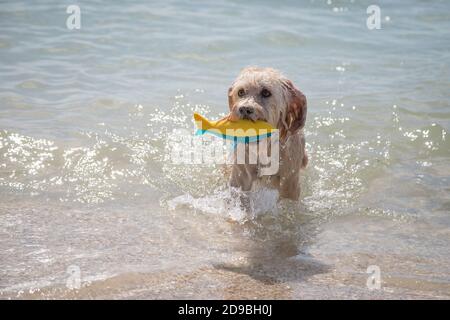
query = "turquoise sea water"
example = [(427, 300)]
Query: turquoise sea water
[(87, 117)]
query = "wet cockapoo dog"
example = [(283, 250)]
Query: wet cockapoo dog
[(265, 94)]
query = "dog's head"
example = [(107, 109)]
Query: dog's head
[(265, 94)]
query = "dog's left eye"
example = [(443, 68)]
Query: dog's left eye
[(265, 93)]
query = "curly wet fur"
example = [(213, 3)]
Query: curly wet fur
[(286, 109)]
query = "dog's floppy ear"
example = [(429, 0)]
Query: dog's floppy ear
[(231, 116), (230, 97), (295, 114)]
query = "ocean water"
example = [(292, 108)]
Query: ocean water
[(92, 207)]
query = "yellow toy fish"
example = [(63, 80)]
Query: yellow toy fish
[(238, 131)]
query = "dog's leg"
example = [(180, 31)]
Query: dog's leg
[(243, 175), (242, 178), (292, 158), (290, 185)]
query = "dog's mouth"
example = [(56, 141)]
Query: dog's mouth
[(250, 117), (253, 117)]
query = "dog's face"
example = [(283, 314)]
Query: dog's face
[(265, 94)]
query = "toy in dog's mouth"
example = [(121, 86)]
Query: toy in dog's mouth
[(241, 130)]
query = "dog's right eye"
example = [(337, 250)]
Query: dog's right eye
[(241, 93)]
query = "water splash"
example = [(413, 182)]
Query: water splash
[(228, 205)]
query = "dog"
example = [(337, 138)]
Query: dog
[(265, 94)]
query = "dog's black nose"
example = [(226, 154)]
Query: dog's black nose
[(246, 111)]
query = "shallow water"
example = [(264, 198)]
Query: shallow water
[(86, 123)]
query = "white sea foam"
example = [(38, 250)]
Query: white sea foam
[(263, 201)]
